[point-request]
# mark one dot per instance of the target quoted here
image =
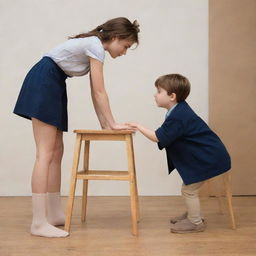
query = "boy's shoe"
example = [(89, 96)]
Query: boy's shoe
[(186, 226), (179, 218)]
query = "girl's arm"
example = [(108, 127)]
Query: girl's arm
[(145, 131), (100, 97), (99, 115)]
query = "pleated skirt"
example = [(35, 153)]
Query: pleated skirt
[(43, 95)]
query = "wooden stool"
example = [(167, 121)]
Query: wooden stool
[(87, 174), (226, 181)]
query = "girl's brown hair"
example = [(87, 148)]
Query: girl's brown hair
[(120, 27), (174, 83)]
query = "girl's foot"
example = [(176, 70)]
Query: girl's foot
[(40, 226), (47, 230), (55, 214)]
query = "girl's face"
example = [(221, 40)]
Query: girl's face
[(164, 100), (118, 47)]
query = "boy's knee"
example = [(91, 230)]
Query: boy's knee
[(188, 191)]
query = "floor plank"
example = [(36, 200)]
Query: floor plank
[(108, 226)]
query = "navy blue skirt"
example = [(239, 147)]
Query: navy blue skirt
[(43, 95)]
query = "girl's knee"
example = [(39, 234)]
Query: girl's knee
[(58, 152), (45, 157)]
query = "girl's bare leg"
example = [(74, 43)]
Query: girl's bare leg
[(45, 138), (55, 214)]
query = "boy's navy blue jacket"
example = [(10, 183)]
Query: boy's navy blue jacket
[(191, 146)]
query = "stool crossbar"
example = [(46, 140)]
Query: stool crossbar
[(86, 174)]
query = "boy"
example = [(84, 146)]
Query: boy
[(191, 146)]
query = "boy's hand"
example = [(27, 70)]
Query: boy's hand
[(134, 126), (145, 131), (122, 127)]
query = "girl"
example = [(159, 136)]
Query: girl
[(43, 99)]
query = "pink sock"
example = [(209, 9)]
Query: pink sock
[(55, 214), (40, 226)]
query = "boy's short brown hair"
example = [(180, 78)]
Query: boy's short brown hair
[(174, 83)]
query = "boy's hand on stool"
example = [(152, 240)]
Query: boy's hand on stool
[(122, 127), (150, 134), (134, 126)]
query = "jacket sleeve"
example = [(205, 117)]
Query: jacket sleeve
[(170, 130)]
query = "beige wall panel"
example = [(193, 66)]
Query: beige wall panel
[(232, 85)]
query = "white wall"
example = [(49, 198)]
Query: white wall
[(174, 38)]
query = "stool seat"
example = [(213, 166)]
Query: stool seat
[(104, 131), (85, 174)]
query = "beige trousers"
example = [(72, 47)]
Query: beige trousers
[(190, 194)]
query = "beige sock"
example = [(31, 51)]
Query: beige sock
[(55, 214), (40, 226)]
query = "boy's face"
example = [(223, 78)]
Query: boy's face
[(164, 100)]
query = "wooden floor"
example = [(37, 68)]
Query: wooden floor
[(107, 230)]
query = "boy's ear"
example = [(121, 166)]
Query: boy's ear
[(173, 96)]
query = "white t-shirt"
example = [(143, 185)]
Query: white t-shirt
[(72, 56)]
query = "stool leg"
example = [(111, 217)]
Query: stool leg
[(73, 182), (208, 187), (85, 182), (213, 188), (137, 200), (134, 209), (136, 186), (227, 183), (219, 195), (84, 200)]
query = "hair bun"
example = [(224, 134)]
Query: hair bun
[(136, 25)]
